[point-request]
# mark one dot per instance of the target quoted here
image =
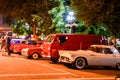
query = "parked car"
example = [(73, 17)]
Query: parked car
[(14, 42), (33, 53), (96, 55), (56, 42), (25, 44)]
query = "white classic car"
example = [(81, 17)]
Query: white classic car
[(96, 55)]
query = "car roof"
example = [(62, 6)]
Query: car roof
[(104, 46)]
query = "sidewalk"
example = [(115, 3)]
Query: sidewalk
[(3, 53)]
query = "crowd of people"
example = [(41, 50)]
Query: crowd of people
[(5, 43)]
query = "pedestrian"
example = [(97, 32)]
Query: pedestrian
[(110, 42), (3, 44), (8, 42), (0, 42)]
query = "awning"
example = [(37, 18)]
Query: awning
[(5, 29)]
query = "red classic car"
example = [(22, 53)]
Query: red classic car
[(14, 42), (32, 52), (25, 44)]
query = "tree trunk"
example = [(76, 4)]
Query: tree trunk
[(114, 38), (34, 31)]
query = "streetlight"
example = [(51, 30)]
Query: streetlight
[(70, 17), (71, 22)]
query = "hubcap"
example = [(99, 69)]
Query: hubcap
[(80, 63), (35, 56)]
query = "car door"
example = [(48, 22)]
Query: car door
[(107, 58), (117, 57), (93, 57)]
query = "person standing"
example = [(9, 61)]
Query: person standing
[(0, 42), (3, 44), (8, 40)]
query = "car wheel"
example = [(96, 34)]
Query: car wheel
[(80, 63), (118, 66), (35, 56)]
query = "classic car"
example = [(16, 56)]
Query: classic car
[(34, 53), (96, 55), (25, 44), (14, 42)]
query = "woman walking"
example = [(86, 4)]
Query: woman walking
[(3, 44)]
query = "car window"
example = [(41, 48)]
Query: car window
[(30, 42), (23, 42), (49, 39), (62, 39), (91, 48), (115, 51), (98, 49), (95, 49), (107, 51)]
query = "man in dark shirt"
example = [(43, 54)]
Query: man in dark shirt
[(8, 40)]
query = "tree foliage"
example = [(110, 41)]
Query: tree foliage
[(94, 12), (59, 18), (25, 9), (58, 15), (20, 28)]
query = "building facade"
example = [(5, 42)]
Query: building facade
[(3, 25)]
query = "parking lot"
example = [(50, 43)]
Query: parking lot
[(16, 67)]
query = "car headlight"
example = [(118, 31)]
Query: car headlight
[(25, 50)]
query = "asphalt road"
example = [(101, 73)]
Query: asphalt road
[(16, 67)]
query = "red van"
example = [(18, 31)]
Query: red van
[(55, 42)]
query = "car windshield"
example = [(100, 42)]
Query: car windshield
[(31, 42), (93, 49), (104, 50), (49, 38), (115, 51)]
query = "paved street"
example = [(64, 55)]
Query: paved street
[(16, 67)]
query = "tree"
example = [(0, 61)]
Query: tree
[(20, 28), (25, 9), (95, 12), (58, 18)]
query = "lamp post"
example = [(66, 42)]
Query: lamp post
[(70, 19)]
